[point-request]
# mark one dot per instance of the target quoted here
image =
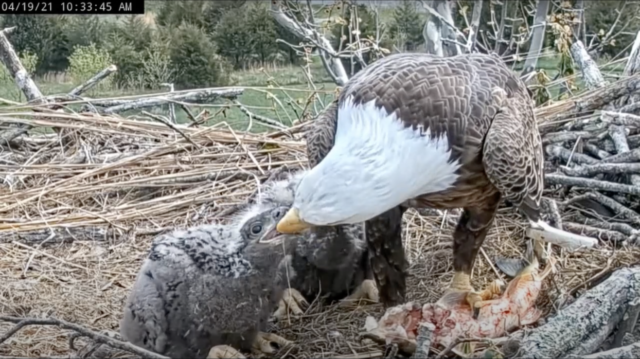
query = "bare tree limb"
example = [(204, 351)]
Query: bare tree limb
[(93, 81), (194, 96), (539, 27), (335, 67)]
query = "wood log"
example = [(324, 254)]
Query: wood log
[(592, 311), (590, 72), (627, 352), (590, 183)]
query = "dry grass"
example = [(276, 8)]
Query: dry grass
[(96, 182)]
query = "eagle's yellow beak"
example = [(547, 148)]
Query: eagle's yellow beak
[(291, 223)]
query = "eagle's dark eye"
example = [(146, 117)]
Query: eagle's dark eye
[(256, 228)]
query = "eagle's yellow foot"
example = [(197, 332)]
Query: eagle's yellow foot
[(224, 352), (264, 341), (292, 301), (461, 284), (367, 290)]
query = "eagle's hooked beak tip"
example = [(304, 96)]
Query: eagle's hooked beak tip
[(291, 223)]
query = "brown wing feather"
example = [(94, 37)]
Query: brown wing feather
[(513, 155)]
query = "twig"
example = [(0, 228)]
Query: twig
[(262, 119), (97, 337), (173, 127)]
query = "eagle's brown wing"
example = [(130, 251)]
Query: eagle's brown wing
[(383, 233)]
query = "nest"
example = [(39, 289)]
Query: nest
[(79, 210)]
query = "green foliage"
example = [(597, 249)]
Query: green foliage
[(406, 26), (262, 30), (193, 52), (42, 35), (127, 43), (204, 14), (28, 59), (233, 37), (85, 30), (86, 61)]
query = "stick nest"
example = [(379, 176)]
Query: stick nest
[(79, 209)]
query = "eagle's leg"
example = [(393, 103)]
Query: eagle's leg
[(470, 233), (224, 352), (263, 343), (367, 290), (292, 301)]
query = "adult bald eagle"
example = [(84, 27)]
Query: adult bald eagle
[(416, 130)]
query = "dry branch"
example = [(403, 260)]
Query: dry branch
[(192, 96), (97, 337), (594, 310), (93, 81), (590, 183)]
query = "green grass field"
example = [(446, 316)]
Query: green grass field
[(279, 94)]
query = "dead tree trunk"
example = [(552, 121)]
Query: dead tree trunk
[(439, 32)]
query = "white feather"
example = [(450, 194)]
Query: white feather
[(375, 164)]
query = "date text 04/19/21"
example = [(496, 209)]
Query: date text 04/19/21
[(92, 7)]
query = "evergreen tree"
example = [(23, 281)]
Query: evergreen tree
[(262, 31), (233, 38), (406, 27)]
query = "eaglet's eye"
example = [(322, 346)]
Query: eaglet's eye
[(256, 228)]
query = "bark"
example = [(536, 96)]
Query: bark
[(620, 119), (628, 323), (590, 71), (584, 318), (439, 32), (598, 168), (564, 136), (557, 152), (627, 352), (592, 184), (537, 40)]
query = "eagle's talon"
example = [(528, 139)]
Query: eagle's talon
[(292, 301), (224, 352), (367, 290), (264, 341)]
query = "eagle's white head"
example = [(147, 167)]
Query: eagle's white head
[(376, 163)]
